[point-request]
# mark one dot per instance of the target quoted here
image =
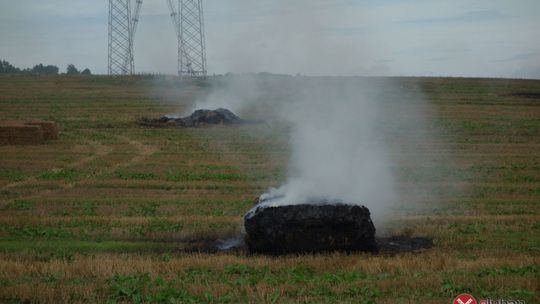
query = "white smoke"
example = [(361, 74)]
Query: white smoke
[(236, 93), (349, 136), (339, 147)]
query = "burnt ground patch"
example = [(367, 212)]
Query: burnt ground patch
[(403, 244), (529, 95), (391, 245)]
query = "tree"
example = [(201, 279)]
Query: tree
[(52, 70), (86, 72), (72, 70), (7, 68), (45, 70)]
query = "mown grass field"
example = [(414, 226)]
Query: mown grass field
[(103, 214)]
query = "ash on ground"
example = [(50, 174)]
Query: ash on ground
[(198, 118), (387, 245), (401, 244)]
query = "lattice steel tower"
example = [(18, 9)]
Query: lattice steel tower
[(192, 46), (189, 24), (120, 37), (188, 21)]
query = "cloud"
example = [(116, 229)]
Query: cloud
[(51, 8), (520, 57), (472, 16), (442, 58), (530, 72), (345, 31)]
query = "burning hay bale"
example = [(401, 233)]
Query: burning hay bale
[(27, 133), (198, 118), (309, 228)]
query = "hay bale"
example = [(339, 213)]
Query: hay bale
[(198, 118), (50, 129), (309, 228), (21, 134)]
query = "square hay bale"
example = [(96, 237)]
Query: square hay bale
[(50, 129), (13, 133), (321, 226)]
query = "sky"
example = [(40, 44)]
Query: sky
[(480, 38)]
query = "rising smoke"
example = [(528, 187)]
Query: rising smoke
[(338, 150), (350, 137)]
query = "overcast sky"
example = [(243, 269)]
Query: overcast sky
[(495, 38)]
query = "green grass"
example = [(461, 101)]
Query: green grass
[(63, 174), (11, 174), (178, 176), (122, 174), (20, 205), (54, 247)]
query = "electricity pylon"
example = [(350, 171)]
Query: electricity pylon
[(188, 21), (122, 27)]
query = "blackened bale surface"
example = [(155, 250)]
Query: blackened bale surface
[(219, 116), (197, 118), (308, 228)]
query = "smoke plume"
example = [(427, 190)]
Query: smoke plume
[(338, 153), (350, 137), (343, 134)]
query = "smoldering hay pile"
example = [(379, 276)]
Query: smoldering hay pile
[(197, 118), (315, 226)]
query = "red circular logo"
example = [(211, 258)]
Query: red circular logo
[(465, 298)]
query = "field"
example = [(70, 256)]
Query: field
[(107, 212)]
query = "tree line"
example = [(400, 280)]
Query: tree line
[(40, 69)]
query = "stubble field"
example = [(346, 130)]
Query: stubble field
[(112, 211)]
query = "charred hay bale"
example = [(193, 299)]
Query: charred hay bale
[(197, 118), (309, 228), (50, 129), (210, 117), (21, 134)]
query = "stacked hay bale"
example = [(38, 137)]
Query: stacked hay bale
[(50, 130), (27, 133)]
